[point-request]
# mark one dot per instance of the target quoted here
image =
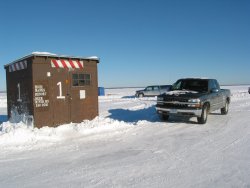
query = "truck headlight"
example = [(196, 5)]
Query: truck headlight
[(194, 100), (195, 103)]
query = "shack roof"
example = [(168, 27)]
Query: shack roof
[(48, 54)]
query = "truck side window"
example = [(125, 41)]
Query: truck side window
[(216, 84), (149, 89), (210, 85), (213, 84), (155, 88)]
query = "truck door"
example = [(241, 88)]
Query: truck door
[(156, 90), (152, 91), (220, 99), (214, 95), (148, 91)]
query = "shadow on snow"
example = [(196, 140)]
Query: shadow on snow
[(146, 114), (131, 116), (129, 97), (3, 118)]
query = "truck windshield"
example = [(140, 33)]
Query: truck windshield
[(198, 85)]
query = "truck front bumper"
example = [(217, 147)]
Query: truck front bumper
[(182, 112)]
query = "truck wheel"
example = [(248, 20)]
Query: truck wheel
[(224, 110), (203, 118), (140, 95)]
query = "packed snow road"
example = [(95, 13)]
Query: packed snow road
[(129, 146)]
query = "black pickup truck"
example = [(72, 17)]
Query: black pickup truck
[(193, 97)]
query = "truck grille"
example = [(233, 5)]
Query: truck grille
[(173, 102), (176, 105), (170, 99)]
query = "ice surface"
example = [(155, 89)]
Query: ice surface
[(129, 146)]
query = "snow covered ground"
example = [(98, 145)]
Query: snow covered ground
[(129, 146)]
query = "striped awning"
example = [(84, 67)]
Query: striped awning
[(62, 63), (18, 66)]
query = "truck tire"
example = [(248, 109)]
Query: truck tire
[(140, 95), (224, 110), (203, 118)]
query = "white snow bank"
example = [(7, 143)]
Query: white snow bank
[(20, 135)]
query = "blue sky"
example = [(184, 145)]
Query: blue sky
[(139, 42)]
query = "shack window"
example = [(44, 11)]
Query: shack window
[(81, 79)]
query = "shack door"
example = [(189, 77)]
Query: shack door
[(61, 97), (62, 90), (78, 96)]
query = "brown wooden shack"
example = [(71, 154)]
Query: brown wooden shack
[(53, 89)]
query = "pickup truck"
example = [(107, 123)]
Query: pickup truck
[(152, 91), (194, 97)]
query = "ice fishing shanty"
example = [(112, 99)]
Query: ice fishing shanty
[(53, 89)]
